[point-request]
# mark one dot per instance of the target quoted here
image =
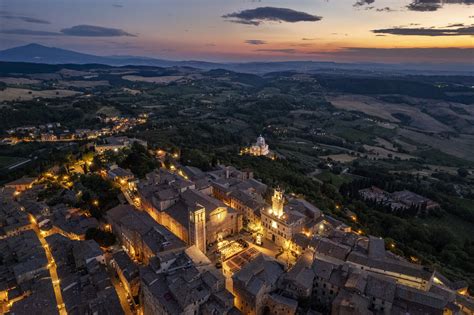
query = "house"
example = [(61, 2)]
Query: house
[(253, 282), (277, 304), (21, 184), (298, 281), (141, 237), (86, 251), (183, 287), (117, 143), (127, 272)]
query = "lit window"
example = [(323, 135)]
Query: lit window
[(274, 225)]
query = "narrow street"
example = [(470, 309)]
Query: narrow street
[(121, 292), (52, 272)]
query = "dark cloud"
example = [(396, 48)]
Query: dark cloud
[(5, 15), (460, 31), (28, 32), (255, 42), (117, 5), (386, 9), (244, 22), (434, 5), (94, 31), (361, 3), (259, 15), (307, 38), (79, 30), (282, 50), (423, 7), (414, 5)]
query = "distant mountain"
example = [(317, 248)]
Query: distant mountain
[(42, 54), (35, 53)]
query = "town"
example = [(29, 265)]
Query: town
[(54, 131), (95, 238)]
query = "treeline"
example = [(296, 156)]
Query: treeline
[(403, 86)]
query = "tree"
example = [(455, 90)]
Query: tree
[(463, 172), (103, 238), (139, 161), (98, 195)]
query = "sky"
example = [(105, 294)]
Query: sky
[(392, 31)]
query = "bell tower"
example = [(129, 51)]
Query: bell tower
[(277, 202), (197, 227)]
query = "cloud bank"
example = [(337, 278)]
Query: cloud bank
[(272, 14), (450, 30), (94, 31), (78, 30), (24, 19), (255, 42)]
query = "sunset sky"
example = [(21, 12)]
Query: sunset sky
[(246, 30)]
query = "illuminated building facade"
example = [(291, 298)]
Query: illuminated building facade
[(177, 204), (283, 221), (197, 228), (21, 184), (259, 148), (141, 237), (240, 191)]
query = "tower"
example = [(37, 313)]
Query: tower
[(277, 202), (261, 141), (197, 227)]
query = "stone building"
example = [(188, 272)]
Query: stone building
[(140, 235), (253, 282), (282, 222), (184, 282), (240, 191), (193, 216), (259, 148)]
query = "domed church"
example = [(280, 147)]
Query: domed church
[(260, 147)]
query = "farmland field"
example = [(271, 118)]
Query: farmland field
[(11, 94), (163, 79)]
